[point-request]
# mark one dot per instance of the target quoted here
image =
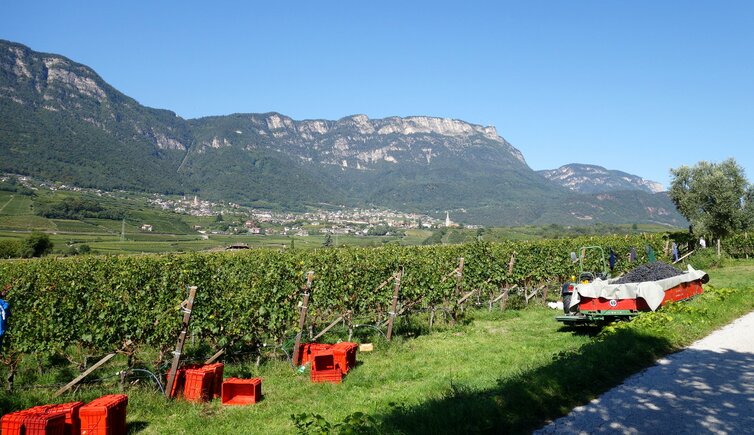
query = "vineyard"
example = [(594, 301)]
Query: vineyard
[(739, 245), (109, 303)]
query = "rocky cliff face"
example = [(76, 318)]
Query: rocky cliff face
[(596, 179), (53, 83), (415, 162), (354, 141)]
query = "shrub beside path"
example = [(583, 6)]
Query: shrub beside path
[(705, 388)]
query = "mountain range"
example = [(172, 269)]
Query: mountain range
[(61, 121)]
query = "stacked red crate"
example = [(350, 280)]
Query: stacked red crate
[(71, 412), (104, 416), (197, 382), (307, 350), (237, 391), (345, 355), (325, 368), (217, 377), (178, 383), (200, 384)]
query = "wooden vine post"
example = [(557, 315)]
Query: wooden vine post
[(302, 317), (531, 295), (394, 305), (544, 293), (504, 298), (186, 307), (459, 276)]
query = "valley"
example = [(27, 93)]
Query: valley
[(65, 123)]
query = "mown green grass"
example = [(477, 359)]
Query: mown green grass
[(499, 372)]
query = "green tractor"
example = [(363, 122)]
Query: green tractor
[(596, 260)]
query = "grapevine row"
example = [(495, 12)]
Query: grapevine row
[(103, 303)]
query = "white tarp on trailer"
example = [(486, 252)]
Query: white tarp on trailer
[(651, 291)]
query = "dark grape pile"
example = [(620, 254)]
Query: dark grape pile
[(649, 272)]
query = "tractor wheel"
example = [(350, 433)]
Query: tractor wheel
[(566, 303)]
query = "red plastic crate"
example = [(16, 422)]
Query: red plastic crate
[(333, 377), (33, 421), (178, 383), (39, 423), (217, 373), (104, 416), (71, 412), (199, 385), (13, 423), (345, 355), (237, 391), (325, 368), (308, 350)]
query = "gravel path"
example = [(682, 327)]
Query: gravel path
[(706, 388)]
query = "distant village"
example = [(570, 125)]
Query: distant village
[(354, 221), (240, 219)]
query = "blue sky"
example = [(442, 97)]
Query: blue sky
[(640, 86)]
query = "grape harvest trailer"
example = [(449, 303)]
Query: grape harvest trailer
[(604, 301)]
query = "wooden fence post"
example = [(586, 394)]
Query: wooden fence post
[(302, 317), (394, 306), (186, 307)]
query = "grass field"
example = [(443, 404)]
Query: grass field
[(498, 372), (26, 223), (14, 204), (73, 226)]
